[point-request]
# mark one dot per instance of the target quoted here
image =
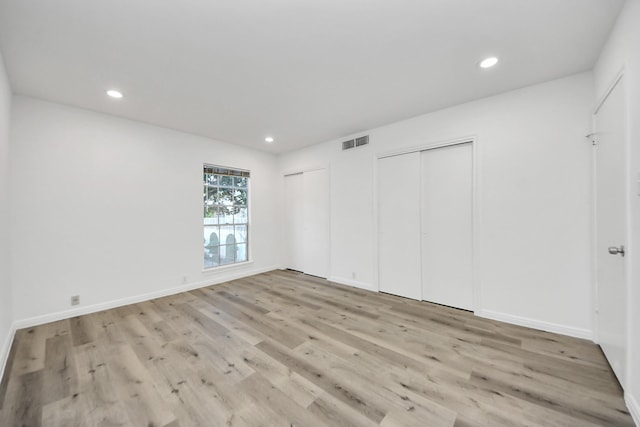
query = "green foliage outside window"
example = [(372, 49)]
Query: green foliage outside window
[(224, 195)]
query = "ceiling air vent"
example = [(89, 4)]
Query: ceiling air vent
[(346, 145), (353, 143), (363, 140)]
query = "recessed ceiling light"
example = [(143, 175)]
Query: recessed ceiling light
[(269, 139), (488, 62), (115, 94)]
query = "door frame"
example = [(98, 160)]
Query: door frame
[(475, 206), (627, 216), (296, 171)]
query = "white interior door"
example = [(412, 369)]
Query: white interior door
[(399, 225), (316, 222), (611, 230), (447, 226), (294, 222)]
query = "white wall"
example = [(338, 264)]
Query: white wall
[(111, 209), (623, 50), (6, 312), (534, 199)]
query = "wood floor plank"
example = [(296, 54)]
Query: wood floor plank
[(59, 374), (180, 390), (239, 329), (560, 400), (95, 383), (329, 381), (81, 330), (283, 348), (333, 412), (24, 401), (285, 410), (293, 385), (30, 350), (5, 378), (135, 388), (282, 332), (68, 412)]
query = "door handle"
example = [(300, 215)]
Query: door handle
[(616, 251)]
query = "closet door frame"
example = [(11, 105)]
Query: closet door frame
[(476, 208), (302, 171)]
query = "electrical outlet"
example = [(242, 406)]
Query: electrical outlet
[(353, 275), (184, 280), (75, 300)]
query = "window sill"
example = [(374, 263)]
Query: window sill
[(226, 267)]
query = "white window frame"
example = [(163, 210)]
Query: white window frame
[(226, 215)]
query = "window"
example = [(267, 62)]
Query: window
[(226, 216)]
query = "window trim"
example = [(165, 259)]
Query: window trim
[(208, 168)]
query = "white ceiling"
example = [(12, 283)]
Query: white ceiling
[(301, 71)]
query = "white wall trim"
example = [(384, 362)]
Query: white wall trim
[(221, 268), (633, 406), (353, 283), (6, 349), (536, 324), (60, 315)]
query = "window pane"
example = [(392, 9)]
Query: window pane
[(241, 216), (207, 261), (227, 254), (240, 182), (208, 213), (226, 181), (211, 236), (226, 196), (211, 179), (225, 232), (241, 252), (240, 197), (226, 215), (211, 245), (241, 233), (211, 197)]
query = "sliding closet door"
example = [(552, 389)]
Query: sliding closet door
[(306, 230), (294, 221), (447, 212), (399, 225), (316, 222)]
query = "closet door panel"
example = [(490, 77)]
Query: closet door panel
[(316, 222), (399, 225), (447, 219), (294, 222)]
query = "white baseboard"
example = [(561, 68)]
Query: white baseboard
[(6, 349), (79, 311), (537, 324), (354, 283), (634, 408)]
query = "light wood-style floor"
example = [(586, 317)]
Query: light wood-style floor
[(285, 349)]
